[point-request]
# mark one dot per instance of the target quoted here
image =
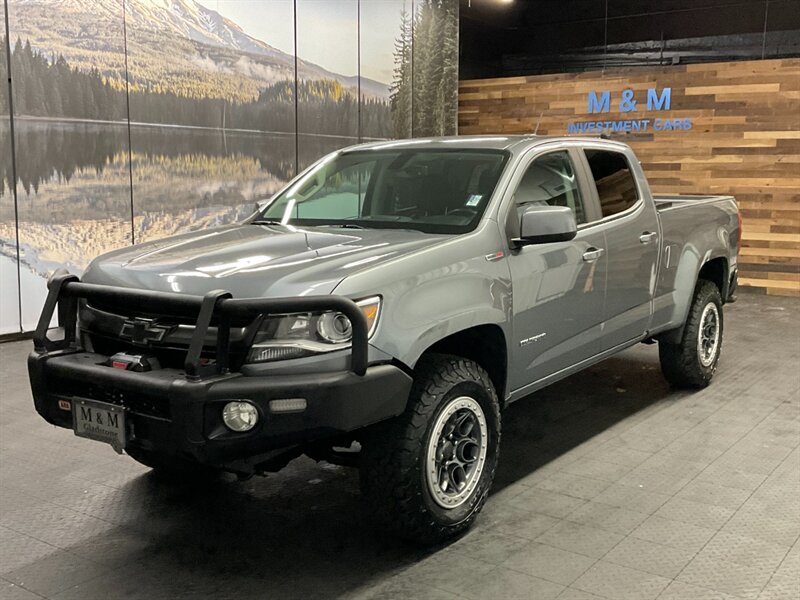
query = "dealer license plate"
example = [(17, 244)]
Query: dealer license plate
[(99, 421)]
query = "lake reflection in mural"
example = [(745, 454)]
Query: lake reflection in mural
[(74, 187)]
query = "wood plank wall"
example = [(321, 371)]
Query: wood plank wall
[(745, 141)]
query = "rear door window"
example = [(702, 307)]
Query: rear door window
[(616, 185)]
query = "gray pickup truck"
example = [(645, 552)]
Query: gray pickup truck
[(382, 310)]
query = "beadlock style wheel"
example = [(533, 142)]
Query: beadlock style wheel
[(708, 335), (456, 452), (426, 474)]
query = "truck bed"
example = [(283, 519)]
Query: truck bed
[(671, 202), (688, 225)]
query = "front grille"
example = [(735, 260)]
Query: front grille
[(104, 325), (137, 402), (175, 317), (132, 311)]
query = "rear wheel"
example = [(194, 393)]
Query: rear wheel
[(427, 473), (693, 362)]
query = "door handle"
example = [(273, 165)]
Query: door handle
[(592, 254), (648, 237)]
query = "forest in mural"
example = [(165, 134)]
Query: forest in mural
[(50, 87), (134, 124), (426, 71)]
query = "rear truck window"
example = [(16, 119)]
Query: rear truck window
[(616, 186)]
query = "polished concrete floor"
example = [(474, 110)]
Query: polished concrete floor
[(610, 486)]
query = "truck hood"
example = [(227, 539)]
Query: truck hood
[(255, 260)]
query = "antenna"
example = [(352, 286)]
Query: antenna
[(537, 123)]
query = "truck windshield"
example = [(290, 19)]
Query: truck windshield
[(434, 191)]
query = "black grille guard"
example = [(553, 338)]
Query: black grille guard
[(65, 290)]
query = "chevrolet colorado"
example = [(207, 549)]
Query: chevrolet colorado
[(394, 297)]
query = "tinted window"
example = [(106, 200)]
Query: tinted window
[(616, 187), (550, 181), (436, 191)]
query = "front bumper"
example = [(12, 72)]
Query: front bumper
[(178, 411), (167, 413)]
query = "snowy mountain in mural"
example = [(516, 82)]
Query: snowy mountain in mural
[(172, 44)]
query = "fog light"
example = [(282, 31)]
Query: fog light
[(239, 416)]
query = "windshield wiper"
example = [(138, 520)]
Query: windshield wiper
[(344, 226), (265, 222), (276, 222)]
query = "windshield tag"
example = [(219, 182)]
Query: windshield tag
[(474, 199)]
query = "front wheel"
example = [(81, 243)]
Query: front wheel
[(427, 474), (693, 362)]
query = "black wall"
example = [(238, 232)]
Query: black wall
[(547, 36)]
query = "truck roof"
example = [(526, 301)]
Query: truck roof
[(476, 142)]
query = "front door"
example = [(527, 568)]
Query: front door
[(558, 288)]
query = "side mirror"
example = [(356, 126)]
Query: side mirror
[(546, 224)]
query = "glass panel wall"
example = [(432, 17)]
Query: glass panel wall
[(327, 77), (137, 119), (212, 111), (385, 52), (70, 123), (9, 268)]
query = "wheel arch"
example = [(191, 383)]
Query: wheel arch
[(714, 270), (485, 344)]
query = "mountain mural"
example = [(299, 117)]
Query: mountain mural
[(173, 45), (208, 120)]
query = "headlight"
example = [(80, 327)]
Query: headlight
[(304, 334), (334, 327)]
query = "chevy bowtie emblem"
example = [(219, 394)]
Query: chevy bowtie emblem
[(143, 331)]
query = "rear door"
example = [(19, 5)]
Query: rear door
[(630, 224), (558, 288)]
